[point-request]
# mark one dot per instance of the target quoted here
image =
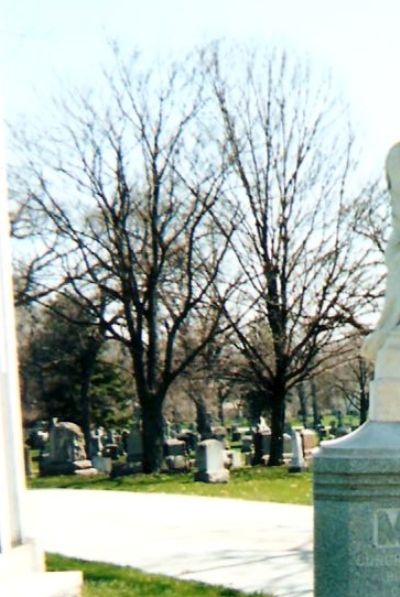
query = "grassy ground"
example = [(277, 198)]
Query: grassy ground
[(252, 483), (105, 580)]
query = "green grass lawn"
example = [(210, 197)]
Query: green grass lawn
[(251, 483), (106, 580)]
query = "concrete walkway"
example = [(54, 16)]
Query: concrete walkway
[(252, 546)]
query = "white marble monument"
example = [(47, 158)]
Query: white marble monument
[(390, 317), (382, 346), (357, 477), (21, 561)]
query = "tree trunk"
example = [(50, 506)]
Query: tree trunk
[(202, 419), (364, 406), (316, 417), (277, 429), (88, 362), (152, 434), (363, 376), (303, 404), (85, 405)]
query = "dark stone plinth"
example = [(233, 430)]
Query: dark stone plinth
[(48, 467), (357, 513)]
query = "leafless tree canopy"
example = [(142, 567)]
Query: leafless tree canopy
[(216, 191), (307, 277)]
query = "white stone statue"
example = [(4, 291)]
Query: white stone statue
[(390, 317)]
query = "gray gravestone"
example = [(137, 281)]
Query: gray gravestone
[(262, 444), (102, 463), (191, 440), (236, 436), (174, 447), (134, 446), (247, 444), (287, 445), (210, 462), (111, 451), (67, 452)]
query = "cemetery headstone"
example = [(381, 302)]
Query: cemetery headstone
[(102, 463), (287, 445), (67, 452), (210, 462), (322, 431), (110, 437), (235, 459), (174, 447), (236, 436), (175, 455), (111, 451), (247, 444), (297, 463), (191, 440), (177, 463), (309, 441), (342, 430), (262, 444), (135, 446), (96, 445), (124, 440)]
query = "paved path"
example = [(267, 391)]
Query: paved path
[(252, 546)]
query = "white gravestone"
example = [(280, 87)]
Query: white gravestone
[(297, 463), (210, 462)]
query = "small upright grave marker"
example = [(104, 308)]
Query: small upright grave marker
[(210, 462)]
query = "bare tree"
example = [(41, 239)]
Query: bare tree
[(306, 272), (31, 257), (352, 382), (130, 190), (184, 180)]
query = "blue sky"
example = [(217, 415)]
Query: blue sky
[(44, 42)]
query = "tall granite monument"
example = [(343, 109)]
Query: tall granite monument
[(357, 478), (21, 561)]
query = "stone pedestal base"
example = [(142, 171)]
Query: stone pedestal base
[(48, 467), (22, 573), (357, 513), (43, 584)]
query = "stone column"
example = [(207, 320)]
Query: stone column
[(21, 562)]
